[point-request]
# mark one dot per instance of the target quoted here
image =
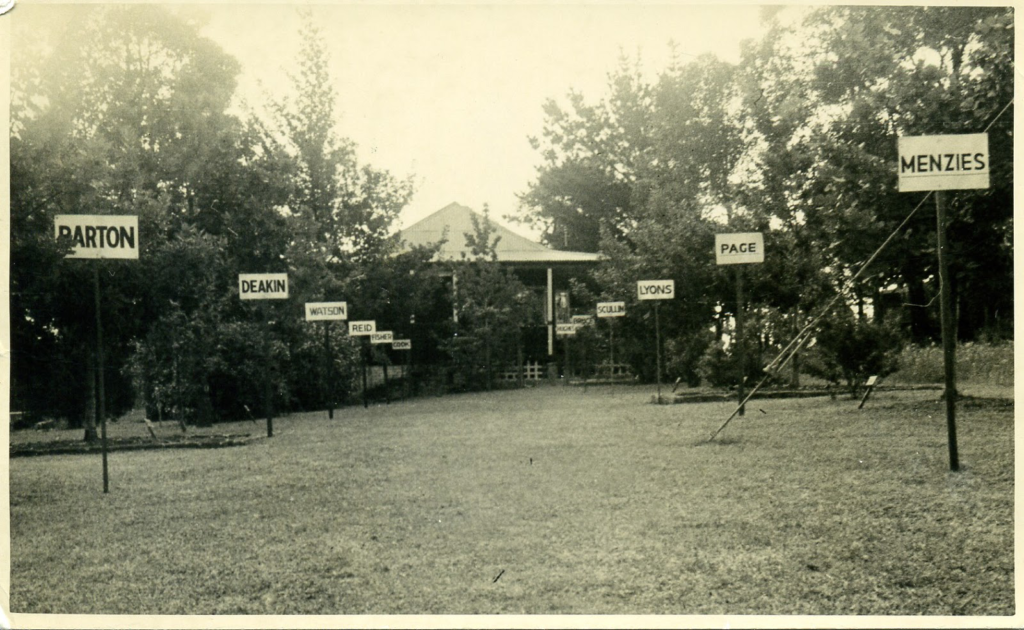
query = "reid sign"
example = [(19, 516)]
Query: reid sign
[(656, 289), (262, 286), (739, 248), (362, 328), (99, 235), (943, 162)]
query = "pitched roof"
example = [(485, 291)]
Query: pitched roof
[(511, 247)]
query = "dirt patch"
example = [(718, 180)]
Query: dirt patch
[(129, 444)]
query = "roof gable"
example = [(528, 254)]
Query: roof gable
[(458, 220)]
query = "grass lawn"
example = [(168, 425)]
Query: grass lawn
[(543, 501)]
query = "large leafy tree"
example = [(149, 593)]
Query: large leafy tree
[(126, 116)]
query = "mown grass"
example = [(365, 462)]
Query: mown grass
[(544, 501)]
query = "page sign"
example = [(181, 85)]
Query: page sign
[(739, 248)]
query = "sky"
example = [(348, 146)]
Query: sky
[(450, 94)]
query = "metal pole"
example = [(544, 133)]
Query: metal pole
[(327, 370), (948, 329), (740, 345), (101, 403), (657, 346)]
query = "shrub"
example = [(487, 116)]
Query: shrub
[(849, 349)]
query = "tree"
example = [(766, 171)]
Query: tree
[(492, 305), (101, 126)]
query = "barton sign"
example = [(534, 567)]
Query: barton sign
[(262, 286), (943, 162), (656, 289), (99, 235)]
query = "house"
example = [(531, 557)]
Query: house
[(536, 265)]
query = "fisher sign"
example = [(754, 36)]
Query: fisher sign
[(99, 235), (656, 289), (943, 162), (740, 248), (401, 344), (262, 286), (324, 311), (362, 329), (611, 309), (384, 336)]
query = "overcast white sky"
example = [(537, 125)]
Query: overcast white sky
[(449, 94)]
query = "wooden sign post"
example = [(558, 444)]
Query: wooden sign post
[(265, 286), (363, 329), (739, 249), (939, 163), (656, 290), (327, 312), (99, 236)]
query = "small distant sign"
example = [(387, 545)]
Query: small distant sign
[(362, 329), (324, 311), (401, 344), (565, 330), (262, 286), (383, 336), (611, 309), (99, 235), (739, 248), (943, 162), (583, 320), (656, 289)]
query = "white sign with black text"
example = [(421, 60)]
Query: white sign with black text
[(611, 309), (99, 235), (943, 162), (656, 289), (739, 248), (401, 344), (362, 329), (262, 286), (383, 336), (326, 311)]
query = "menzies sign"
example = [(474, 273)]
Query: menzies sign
[(99, 235), (943, 162)]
